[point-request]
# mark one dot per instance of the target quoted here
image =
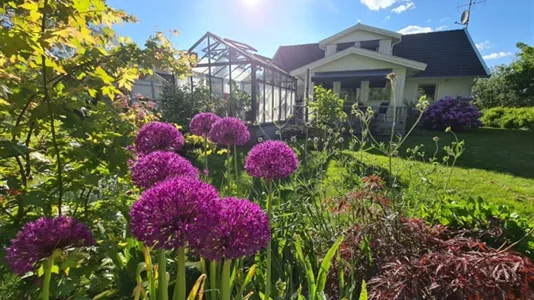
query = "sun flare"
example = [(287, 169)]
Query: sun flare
[(251, 2)]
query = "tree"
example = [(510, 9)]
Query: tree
[(495, 90), (521, 79), (65, 115)]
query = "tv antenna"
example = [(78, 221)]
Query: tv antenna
[(466, 15)]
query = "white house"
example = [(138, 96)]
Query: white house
[(354, 63)]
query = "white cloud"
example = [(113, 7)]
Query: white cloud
[(429, 20), (441, 27), (446, 19), (378, 4), (415, 29), (359, 21), (403, 7), (497, 55), (483, 45), (388, 17)]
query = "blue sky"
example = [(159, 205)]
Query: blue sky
[(496, 26)]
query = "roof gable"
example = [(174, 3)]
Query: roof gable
[(351, 57), (359, 32)]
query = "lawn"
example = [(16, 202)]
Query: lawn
[(497, 164)]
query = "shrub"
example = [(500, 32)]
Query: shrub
[(327, 107), (509, 117), (458, 114)]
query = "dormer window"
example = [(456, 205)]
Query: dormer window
[(343, 46), (370, 45)]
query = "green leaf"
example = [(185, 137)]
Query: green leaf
[(363, 293), (250, 274), (308, 268), (10, 149), (326, 264)]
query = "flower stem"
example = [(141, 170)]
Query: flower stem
[(225, 284), (229, 174), (180, 287), (213, 279), (47, 267), (235, 167), (162, 274), (206, 156), (269, 251)]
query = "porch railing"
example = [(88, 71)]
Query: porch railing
[(381, 123)]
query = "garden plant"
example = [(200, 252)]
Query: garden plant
[(103, 198)]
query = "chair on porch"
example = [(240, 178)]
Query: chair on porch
[(383, 111)]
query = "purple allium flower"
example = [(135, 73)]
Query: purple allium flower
[(38, 239), (159, 166), (202, 122), (242, 230), (167, 214), (271, 160), (229, 131), (156, 136)]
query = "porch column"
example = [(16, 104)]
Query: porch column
[(336, 88), (400, 81), (364, 92)]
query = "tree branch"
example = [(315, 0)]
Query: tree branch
[(51, 113)]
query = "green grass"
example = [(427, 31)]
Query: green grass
[(497, 165), (499, 150)]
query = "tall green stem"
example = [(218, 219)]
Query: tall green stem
[(225, 281), (47, 268), (213, 279), (206, 156), (180, 287), (229, 173), (162, 274), (236, 169), (269, 251)]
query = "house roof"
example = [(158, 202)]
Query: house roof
[(446, 53)]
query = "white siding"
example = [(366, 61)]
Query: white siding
[(353, 62), (453, 87), (357, 36)]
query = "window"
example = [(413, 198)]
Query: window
[(428, 90), (380, 91), (350, 92), (370, 45), (343, 46)]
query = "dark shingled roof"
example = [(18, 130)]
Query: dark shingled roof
[(446, 53)]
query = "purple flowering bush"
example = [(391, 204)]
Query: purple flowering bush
[(458, 114)]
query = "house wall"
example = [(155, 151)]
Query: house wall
[(353, 62), (453, 87)]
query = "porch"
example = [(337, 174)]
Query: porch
[(364, 90)]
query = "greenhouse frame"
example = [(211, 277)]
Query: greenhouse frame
[(234, 73)]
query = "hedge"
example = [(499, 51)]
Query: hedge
[(509, 117)]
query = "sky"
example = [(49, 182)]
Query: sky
[(496, 25)]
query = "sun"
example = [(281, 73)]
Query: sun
[(251, 2)]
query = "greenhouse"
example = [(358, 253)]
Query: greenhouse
[(236, 75)]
